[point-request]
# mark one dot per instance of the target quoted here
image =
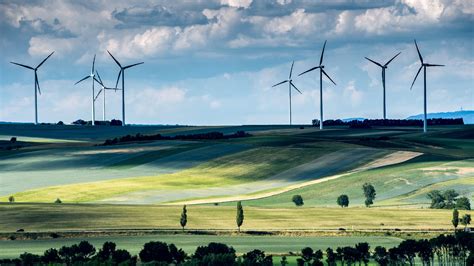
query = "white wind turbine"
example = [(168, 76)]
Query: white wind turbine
[(290, 85), (37, 86), (91, 75), (104, 88)]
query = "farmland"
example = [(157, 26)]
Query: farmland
[(142, 185)]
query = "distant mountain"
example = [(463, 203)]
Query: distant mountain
[(352, 119), (467, 116)]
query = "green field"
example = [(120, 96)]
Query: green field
[(142, 185)]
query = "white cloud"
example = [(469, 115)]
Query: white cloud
[(40, 46), (237, 3), (353, 94)]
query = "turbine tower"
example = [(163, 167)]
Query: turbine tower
[(321, 72), (424, 66), (290, 85), (383, 80), (99, 80), (122, 72), (91, 75), (37, 86)]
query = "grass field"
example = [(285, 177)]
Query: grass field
[(61, 217), (65, 162)]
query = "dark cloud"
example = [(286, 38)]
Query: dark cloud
[(272, 8), (40, 26), (158, 15)]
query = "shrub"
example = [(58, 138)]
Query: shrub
[(256, 258), (11, 199), (343, 201), (58, 200), (298, 200)]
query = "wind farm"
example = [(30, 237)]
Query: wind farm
[(216, 153)]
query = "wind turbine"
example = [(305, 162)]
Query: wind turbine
[(37, 86), (122, 72), (424, 66), (383, 80), (91, 75), (321, 72), (99, 80), (290, 85)]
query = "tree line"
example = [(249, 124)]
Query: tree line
[(199, 136), (450, 249), (367, 123)]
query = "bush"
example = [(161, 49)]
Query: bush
[(11, 199), (60, 123), (343, 201), (155, 251), (298, 200), (256, 258), (58, 200), (463, 203), (13, 139)]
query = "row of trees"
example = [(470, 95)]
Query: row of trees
[(199, 136), (343, 200), (456, 249), (367, 123)]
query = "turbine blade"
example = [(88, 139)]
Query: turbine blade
[(293, 85), (322, 53), (93, 65), (386, 64), (97, 72), (118, 78), (114, 59), (22, 65), (309, 70), (285, 81), (82, 79), (45, 59), (37, 83), (99, 81), (373, 62), (129, 66), (416, 77), (430, 65), (326, 74), (419, 54), (97, 96), (291, 69)]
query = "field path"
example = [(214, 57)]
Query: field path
[(390, 159)]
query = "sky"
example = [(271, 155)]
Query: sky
[(214, 62)]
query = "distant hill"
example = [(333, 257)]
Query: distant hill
[(353, 118), (467, 116)]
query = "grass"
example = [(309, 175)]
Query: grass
[(390, 182), (60, 217), (189, 243), (246, 166)]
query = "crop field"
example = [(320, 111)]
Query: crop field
[(142, 185)]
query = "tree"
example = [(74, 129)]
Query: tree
[(363, 250), (466, 220), (369, 193), (298, 200), (307, 254), (58, 200), (284, 261), (155, 251), (437, 199), (256, 257), (184, 217), (51, 256), (343, 201), (463, 203), (214, 254), (425, 251), (330, 257), (11, 199), (381, 256), (450, 196), (455, 219), (240, 215)]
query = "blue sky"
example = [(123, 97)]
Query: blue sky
[(213, 62)]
